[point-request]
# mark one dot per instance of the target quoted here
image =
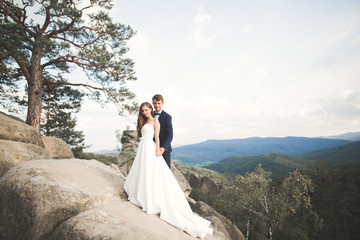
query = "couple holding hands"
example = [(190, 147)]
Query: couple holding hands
[(150, 183)]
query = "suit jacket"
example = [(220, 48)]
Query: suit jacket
[(166, 130)]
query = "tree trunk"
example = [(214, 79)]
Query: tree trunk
[(35, 90), (247, 229)]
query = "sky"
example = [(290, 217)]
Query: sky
[(236, 69)]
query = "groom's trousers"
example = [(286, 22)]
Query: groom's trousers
[(167, 156)]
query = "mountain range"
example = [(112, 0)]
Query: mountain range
[(213, 151), (345, 157)]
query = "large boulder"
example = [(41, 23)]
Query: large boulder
[(20, 142), (117, 221), (57, 148), (13, 153), (18, 131), (36, 196), (122, 221), (204, 184)]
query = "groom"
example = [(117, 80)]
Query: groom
[(166, 131)]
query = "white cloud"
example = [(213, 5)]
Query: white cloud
[(356, 41), (347, 105), (201, 30), (201, 22), (249, 28)]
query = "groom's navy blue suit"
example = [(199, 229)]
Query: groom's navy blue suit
[(166, 135)]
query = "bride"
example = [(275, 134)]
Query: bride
[(151, 185)]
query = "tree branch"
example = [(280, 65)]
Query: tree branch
[(62, 82), (250, 210), (84, 64), (56, 32), (68, 27), (17, 20), (73, 43), (47, 20), (91, 5), (24, 69), (266, 205), (70, 59), (58, 60), (85, 27)]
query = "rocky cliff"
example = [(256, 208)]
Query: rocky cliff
[(45, 193), (204, 184)]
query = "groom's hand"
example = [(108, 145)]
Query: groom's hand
[(162, 150), (158, 153)]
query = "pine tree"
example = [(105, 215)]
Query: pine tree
[(43, 41), (58, 120)]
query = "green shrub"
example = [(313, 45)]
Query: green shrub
[(106, 159)]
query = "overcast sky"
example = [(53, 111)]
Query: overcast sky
[(238, 69)]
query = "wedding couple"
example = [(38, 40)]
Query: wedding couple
[(150, 183)]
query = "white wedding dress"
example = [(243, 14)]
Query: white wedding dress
[(151, 185)]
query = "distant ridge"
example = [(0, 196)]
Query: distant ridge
[(350, 136), (213, 151)]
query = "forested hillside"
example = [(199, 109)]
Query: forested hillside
[(346, 156), (278, 164), (321, 204)]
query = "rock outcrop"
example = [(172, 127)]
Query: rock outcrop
[(63, 199), (185, 186), (14, 129), (13, 153), (57, 148), (129, 143), (225, 227), (129, 140), (82, 199), (20, 142), (204, 184)]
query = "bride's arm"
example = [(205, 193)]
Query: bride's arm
[(157, 140)]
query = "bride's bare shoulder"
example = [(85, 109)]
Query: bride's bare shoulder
[(154, 122)]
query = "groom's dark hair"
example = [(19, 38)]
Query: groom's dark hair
[(158, 97)]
